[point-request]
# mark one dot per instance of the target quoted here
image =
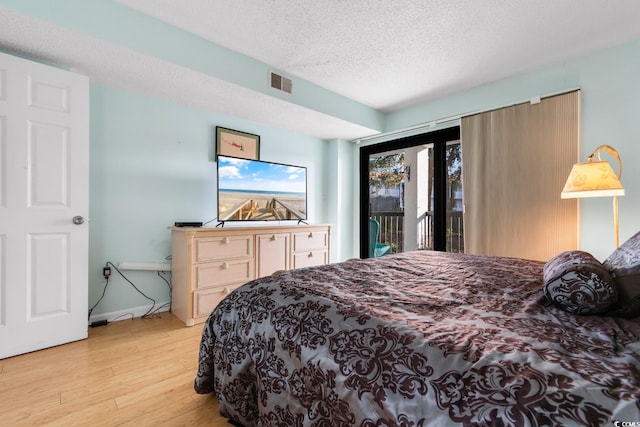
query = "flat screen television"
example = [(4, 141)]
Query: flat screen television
[(254, 190)]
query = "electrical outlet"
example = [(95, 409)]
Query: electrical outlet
[(106, 272)]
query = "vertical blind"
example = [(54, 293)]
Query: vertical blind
[(515, 163)]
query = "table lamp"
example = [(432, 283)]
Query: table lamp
[(596, 179)]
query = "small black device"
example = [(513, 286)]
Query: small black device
[(99, 323), (188, 224)]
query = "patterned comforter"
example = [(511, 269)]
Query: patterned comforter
[(415, 339)]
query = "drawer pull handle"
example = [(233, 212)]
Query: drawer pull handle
[(225, 241), (225, 266), (310, 235), (310, 255), (273, 237), (226, 291)]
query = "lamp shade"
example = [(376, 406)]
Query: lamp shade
[(592, 179)]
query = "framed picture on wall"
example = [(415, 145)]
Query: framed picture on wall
[(234, 143)]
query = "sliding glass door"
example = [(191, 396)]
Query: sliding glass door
[(387, 174), (411, 192), (455, 204)]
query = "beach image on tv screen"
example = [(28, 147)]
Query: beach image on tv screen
[(251, 190)]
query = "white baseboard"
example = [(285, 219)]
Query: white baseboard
[(130, 313)]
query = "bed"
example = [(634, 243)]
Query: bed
[(415, 339)]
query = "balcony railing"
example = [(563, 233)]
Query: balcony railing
[(392, 230)]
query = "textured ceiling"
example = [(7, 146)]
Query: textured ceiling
[(390, 54), (386, 55)]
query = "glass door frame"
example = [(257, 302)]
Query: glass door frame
[(439, 139)]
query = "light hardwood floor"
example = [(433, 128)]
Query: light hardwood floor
[(129, 373)]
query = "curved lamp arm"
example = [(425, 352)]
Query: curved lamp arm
[(612, 151)]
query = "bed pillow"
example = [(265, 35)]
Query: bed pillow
[(624, 266), (578, 283)]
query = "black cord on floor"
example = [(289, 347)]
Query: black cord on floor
[(152, 310), (159, 309), (153, 302), (104, 291), (168, 282)]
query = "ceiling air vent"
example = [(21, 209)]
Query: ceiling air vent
[(281, 83)]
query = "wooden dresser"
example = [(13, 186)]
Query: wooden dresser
[(208, 263)]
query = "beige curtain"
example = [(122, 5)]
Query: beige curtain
[(515, 163)]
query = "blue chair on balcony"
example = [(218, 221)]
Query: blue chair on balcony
[(376, 248)]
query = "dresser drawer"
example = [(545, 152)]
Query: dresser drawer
[(223, 273), (309, 258), (309, 240), (206, 300), (215, 248), (272, 253)]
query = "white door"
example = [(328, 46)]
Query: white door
[(44, 174)]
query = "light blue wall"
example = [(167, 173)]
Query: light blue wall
[(152, 164), (610, 86), (340, 198)]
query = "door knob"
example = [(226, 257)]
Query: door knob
[(77, 220)]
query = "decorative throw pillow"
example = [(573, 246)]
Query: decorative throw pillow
[(624, 266), (578, 283)]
